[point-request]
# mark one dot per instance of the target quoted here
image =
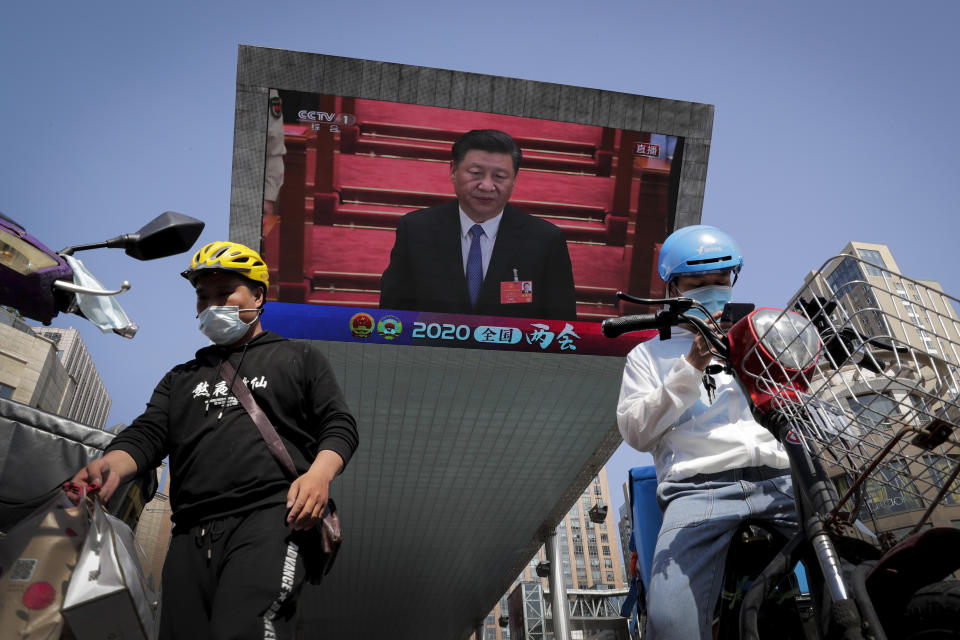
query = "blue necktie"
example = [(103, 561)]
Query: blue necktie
[(475, 265)]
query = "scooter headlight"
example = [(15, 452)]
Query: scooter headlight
[(788, 338), (773, 352), (21, 256)]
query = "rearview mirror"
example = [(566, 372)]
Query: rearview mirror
[(168, 234)]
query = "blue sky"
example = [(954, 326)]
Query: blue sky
[(834, 122)]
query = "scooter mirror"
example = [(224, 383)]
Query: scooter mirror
[(168, 234)]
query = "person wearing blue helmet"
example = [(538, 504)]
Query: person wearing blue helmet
[(716, 466)]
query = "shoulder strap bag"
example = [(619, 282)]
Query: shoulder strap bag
[(318, 554)]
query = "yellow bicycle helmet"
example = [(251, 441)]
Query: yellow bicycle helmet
[(228, 256)]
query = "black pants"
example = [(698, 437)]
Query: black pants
[(237, 577)]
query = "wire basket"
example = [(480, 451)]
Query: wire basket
[(881, 406)]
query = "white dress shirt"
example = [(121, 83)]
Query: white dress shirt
[(487, 240)]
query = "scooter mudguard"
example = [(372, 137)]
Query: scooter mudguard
[(918, 560)]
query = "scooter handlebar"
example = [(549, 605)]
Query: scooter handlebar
[(615, 327)]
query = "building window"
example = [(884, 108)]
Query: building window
[(609, 576), (872, 408), (607, 563), (847, 282), (606, 550), (928, 342), (6, 391), (889, 490), (847, 271), (873, 259), (940, 468), (604, 537)]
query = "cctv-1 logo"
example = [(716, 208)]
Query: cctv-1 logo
[(345, 119)]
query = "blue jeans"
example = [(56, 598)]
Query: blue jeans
[(700, 516)]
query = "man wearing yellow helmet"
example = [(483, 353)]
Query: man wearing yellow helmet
[(234, 568), (232, 273)]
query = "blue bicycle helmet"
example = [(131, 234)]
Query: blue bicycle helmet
[(699, 248)]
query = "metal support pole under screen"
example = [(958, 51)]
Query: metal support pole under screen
[(558, 591)]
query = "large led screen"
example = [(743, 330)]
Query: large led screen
[(468, 454), (361, 212)]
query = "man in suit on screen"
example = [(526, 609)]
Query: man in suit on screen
[(477, 254)]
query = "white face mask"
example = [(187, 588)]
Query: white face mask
[(223, 324), (712, 296)]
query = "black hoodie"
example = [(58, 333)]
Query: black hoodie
[(219, 463)]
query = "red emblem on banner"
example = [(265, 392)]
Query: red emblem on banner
[(361, 325)]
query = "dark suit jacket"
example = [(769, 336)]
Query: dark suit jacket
[(426, 266)]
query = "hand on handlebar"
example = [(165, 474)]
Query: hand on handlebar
[(701, 353)]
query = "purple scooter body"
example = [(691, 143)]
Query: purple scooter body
[(32, 294)]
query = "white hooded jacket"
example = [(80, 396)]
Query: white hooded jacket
[(664, 408)]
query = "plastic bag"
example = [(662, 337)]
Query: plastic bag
[(109, 596), (37, 558)]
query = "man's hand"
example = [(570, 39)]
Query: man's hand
[(108, 472), (700, 354), (308, 493)]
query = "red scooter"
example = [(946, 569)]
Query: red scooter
[(860, 382)]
